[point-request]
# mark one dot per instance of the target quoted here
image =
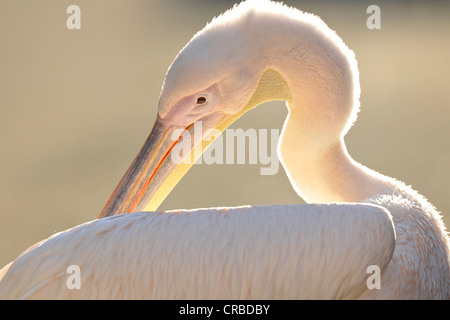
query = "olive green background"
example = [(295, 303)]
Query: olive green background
[(76, 106)]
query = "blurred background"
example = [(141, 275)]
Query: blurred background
[(77, 105)]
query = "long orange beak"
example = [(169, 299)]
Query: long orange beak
[(147, 172), (154, 172)]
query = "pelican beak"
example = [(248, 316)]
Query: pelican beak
[(138, 188), (156, 170), (154, 173)]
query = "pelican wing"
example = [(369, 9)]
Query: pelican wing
[(262, 252)]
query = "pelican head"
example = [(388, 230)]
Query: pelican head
[(256, 52)]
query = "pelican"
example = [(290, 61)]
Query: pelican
[(357, 222)]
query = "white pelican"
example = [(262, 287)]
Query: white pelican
[(255, 52)]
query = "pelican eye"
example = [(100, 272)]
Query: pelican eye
[(201, 100)]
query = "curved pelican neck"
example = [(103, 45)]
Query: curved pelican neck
[(322, 80)]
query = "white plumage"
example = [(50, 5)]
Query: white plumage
[(239, 253), (256, 52)]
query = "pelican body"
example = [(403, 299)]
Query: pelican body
[(357, 220)]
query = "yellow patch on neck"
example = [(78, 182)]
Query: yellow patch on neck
[(271, 86)]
